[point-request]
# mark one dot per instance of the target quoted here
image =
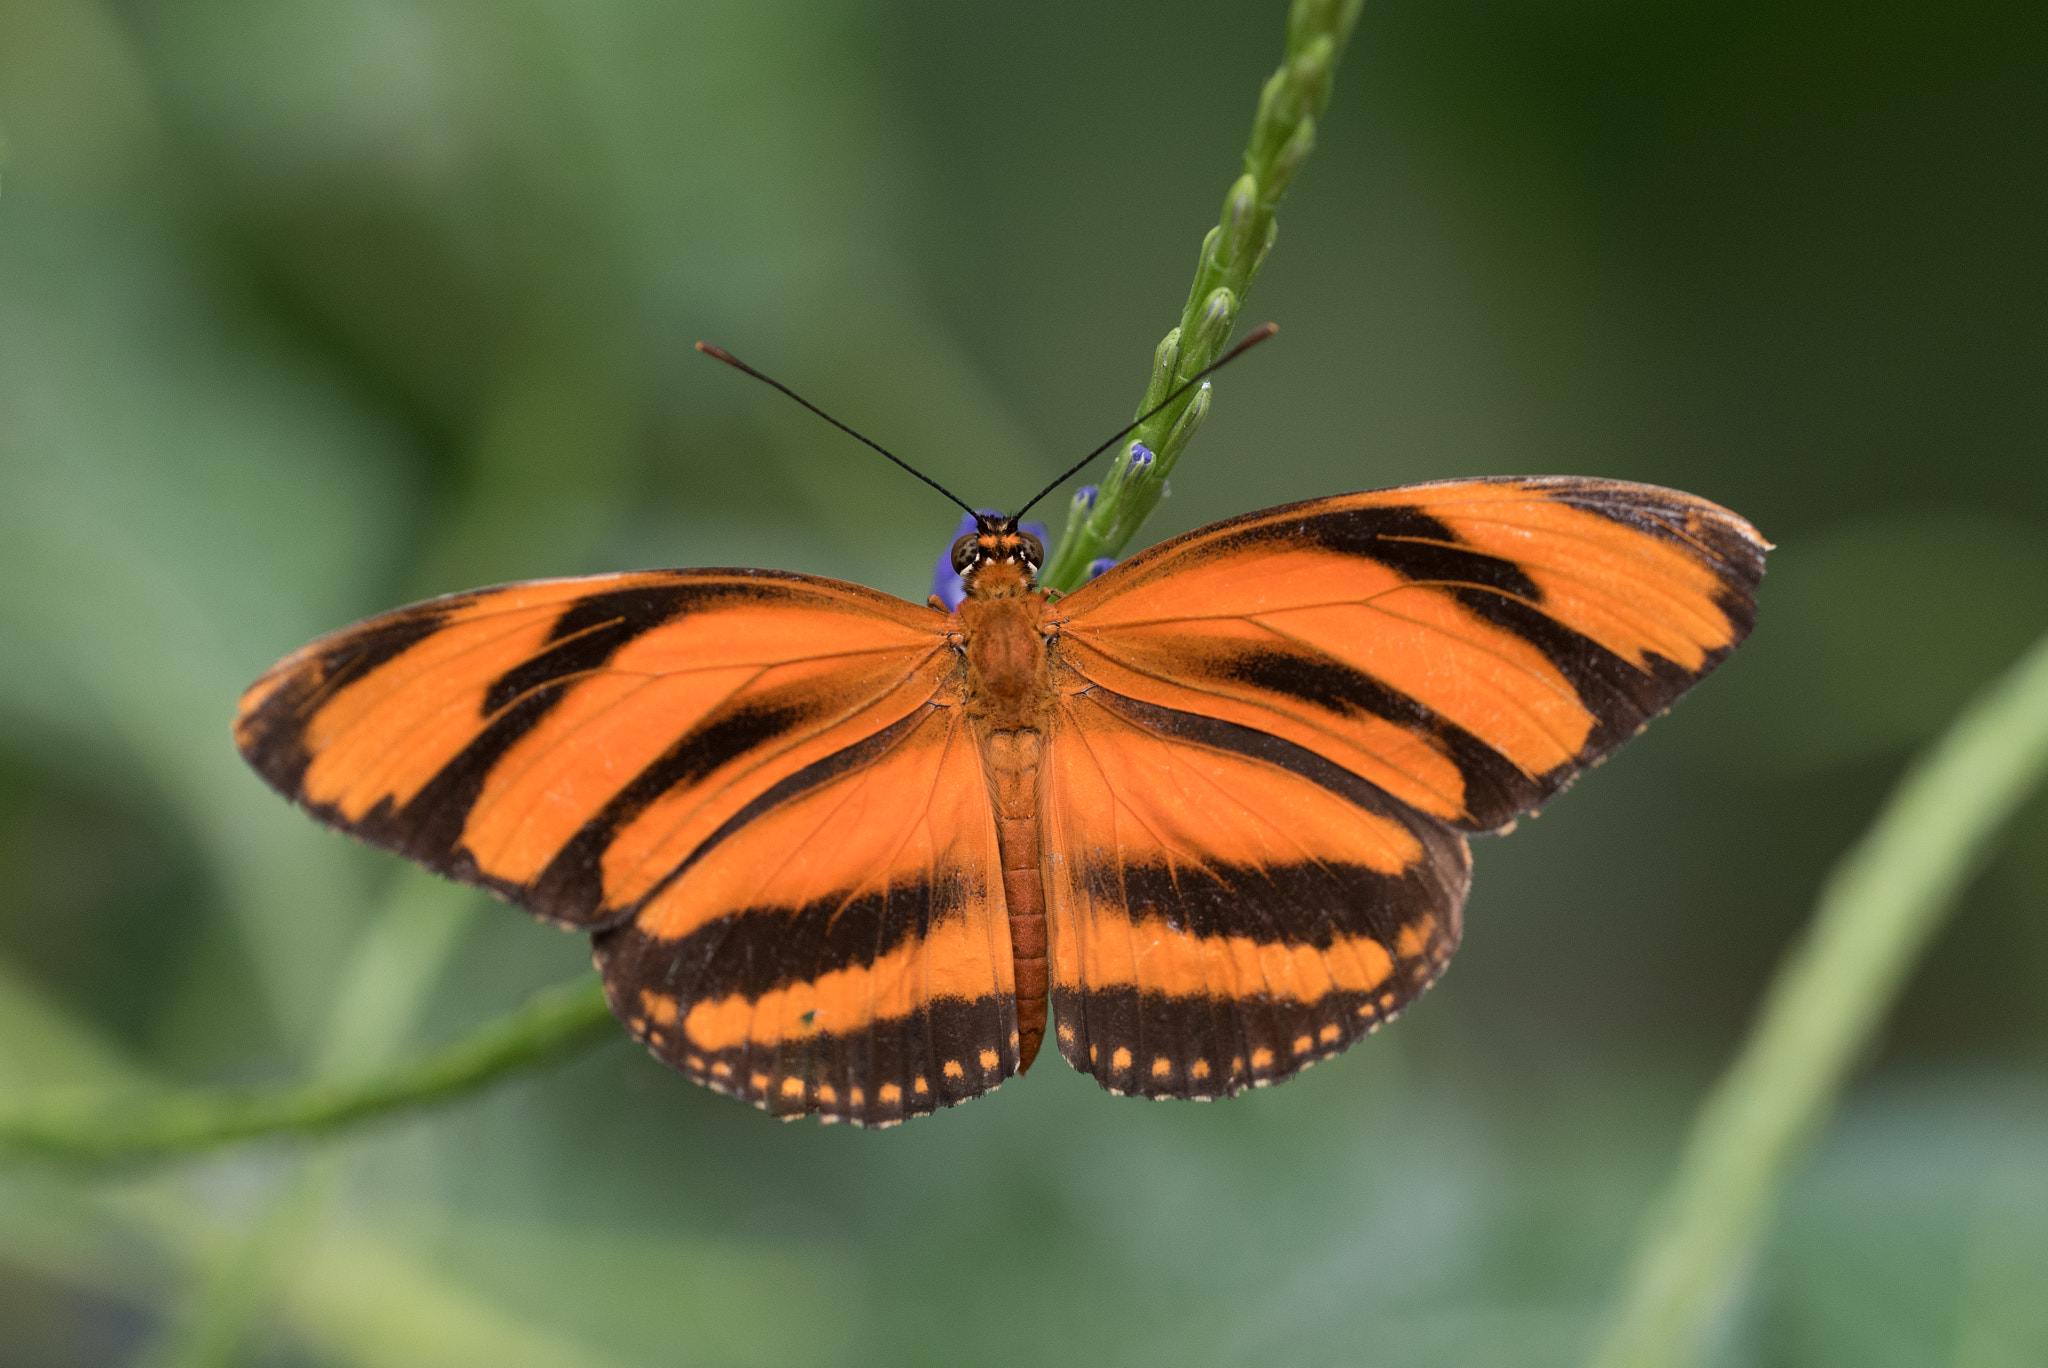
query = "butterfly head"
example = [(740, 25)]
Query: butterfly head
[(998, 556)]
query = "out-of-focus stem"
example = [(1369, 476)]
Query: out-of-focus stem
[(1878, 910)]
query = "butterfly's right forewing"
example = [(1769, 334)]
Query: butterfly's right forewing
[(1467, 646)]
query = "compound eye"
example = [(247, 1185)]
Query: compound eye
[(1034, 549), (964, 553)]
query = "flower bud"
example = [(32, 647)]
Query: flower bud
[(1309, 75), (1164, 358), (1289, 159), (1219, 310), (1190, 418), (1240, 213)]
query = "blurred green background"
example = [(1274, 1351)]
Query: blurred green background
[(311, 307)]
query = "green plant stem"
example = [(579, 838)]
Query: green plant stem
[(1283, 134), (557, 1022), (384, 989), (1876, 913)]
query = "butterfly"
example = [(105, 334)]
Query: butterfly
[(838, 852)]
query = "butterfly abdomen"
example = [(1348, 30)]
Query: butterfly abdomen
[(1011, 758)]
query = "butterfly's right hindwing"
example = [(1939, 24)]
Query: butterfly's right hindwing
[(1227, 908)]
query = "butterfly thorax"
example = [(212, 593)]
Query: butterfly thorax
[(1009, 676)]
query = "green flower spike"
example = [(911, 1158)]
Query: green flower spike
[(1283, 134)]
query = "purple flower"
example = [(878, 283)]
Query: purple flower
[(945, 583), (1141, 457), (1098, 565), (1085, 495)]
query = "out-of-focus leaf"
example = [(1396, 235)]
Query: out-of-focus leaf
[(466, 197), (182, 498), (53, 1229), (40, 1046), (359, 1301), (660, 1300), (1920, 1235), (391, 974)]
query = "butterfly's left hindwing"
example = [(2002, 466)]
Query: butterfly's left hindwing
[(753, 785)]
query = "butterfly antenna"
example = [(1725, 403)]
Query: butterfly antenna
[(721, 354), (1257, 336)]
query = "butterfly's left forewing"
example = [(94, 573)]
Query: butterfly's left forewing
[(754, 787)]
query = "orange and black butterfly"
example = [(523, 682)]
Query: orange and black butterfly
[(835, 851)]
